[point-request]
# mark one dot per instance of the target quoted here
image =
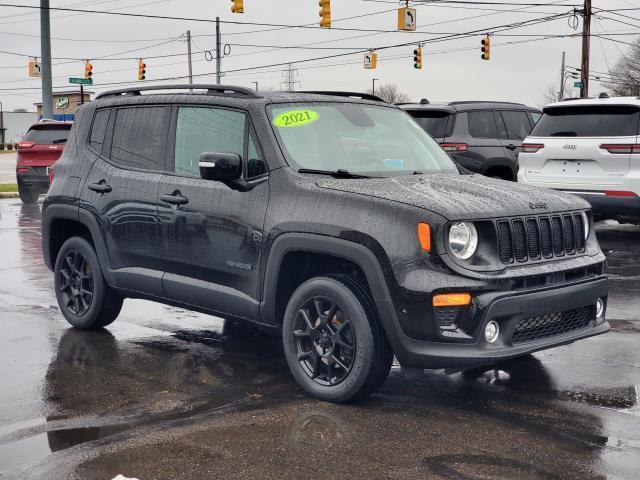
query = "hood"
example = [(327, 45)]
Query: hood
[(462, 197)]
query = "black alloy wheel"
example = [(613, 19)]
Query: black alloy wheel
[(325, 341), (75, 283)]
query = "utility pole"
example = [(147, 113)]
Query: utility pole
[(218, 51), (256, 84), (561, 91), (189, 57), (45, 47), (373, 86), (586, 36), (289, 81), (2, 126)]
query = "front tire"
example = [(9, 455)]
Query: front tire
[(334, 343), (28, 196), (84, 298)]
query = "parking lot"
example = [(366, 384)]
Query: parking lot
[(166, 393)]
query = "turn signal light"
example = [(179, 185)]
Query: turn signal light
[(451, 299), (531, 147), (454, 147), (621, 147), (424, 236)]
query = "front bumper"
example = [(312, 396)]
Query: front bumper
[(508, 308)]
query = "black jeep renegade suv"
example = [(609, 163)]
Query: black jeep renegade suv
[(335, 220)]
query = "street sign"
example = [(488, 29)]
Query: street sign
[(81, 81), (370, 60), (577, 84), (407, 19), (35, 69)]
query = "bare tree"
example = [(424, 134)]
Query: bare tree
[(390, 93), (625, 76), (550, 95)]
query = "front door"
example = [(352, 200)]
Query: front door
[(513, 127), (211, 235)]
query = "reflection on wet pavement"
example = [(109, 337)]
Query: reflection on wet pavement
[(166, 393)]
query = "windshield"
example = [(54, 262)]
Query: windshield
[(359, 138), (587, 121), (51, 134)]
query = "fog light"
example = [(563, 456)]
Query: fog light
[(599, 308), (491, 331)]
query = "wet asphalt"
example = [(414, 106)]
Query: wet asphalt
[(165, 393)]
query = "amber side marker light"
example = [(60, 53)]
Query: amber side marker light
[(424, 236), (451, 299)]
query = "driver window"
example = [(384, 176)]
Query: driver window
[(203, 129)]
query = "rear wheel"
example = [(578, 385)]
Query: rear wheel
[(334, 344), (84, 298), (28, 195)]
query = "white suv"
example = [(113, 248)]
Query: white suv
[(591, 148)]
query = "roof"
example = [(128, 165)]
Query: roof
[(631, 101), (467, 105), (232, 93)]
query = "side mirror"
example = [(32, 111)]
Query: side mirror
[(223, 167)]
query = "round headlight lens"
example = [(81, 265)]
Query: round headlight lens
[(585, 222), (463, 239)]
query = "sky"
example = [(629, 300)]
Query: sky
[(521, 69)]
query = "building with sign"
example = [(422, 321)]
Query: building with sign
[(65, 104)]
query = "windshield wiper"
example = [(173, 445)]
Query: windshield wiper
[(59, 140), (340, 173), (563, 134)]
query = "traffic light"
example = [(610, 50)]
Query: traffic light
[(486, 48), (325, 13), (238, 6), (417, 58), (142, 70), (88, 70), (370, 60)]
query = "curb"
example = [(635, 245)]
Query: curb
[(9, 195)]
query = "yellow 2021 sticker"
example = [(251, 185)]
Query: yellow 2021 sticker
[(295, 118)]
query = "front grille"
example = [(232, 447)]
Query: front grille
[(535, 328), (532, 238)]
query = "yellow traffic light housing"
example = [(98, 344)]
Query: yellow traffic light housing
[(407, 19), (370, 60), (486, 48), (142, 70), (88, 70), (238, 6), (417, 58), (325, 13)]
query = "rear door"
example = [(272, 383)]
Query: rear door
[(573, 136), (484, 147), (513, 127)]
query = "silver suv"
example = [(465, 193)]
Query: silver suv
[(590, 148)]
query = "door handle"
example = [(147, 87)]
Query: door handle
[(175, 198), (101, 187), (511, 146)]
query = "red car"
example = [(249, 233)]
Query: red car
[(37, 152)]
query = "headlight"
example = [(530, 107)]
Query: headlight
[(585, 223), (463, 239)]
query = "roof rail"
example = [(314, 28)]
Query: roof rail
[(364, 96), (462, 102), (211, 90)]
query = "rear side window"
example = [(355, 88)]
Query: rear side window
[(516, 123), (139, 137), (434, 122), (99, 129), (48, 134), (588, 121), (482, 124)]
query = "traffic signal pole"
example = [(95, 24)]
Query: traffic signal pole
[(45, 47), (586, 36), (561, 91), (189, 57)]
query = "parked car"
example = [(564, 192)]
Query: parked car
[(37, 152), (483, 137), (591, 148), (334, 221)]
